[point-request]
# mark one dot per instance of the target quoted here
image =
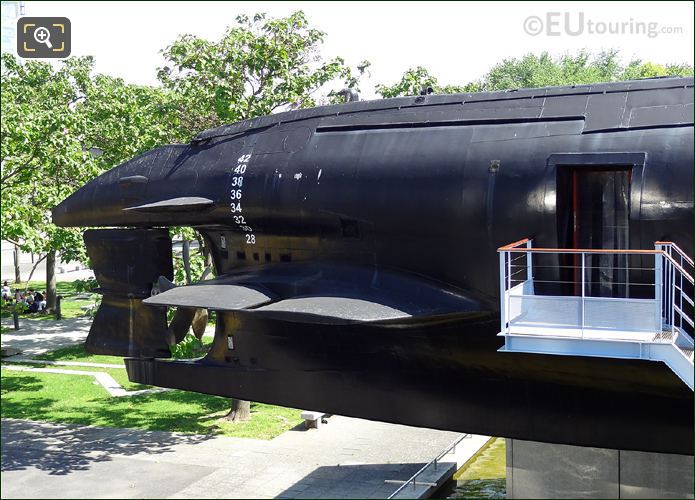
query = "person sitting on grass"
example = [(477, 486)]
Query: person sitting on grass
[(36, 301), (29, 299), (6, 292)]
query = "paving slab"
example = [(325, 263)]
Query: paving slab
[(37, 336), (46, 460)]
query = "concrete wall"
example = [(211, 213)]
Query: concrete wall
[(541, 470)]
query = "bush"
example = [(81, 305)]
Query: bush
[(190, 347)]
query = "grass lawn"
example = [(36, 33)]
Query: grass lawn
[(77, 353), (78, 400), (484, 475), (70, 305)]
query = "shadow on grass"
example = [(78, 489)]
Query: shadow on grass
[(61, 449), (19, 383), (72, 352), (36, 336), (172, 411)]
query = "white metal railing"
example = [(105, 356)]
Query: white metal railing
[(612, 294), (432, 463), (677, 278)]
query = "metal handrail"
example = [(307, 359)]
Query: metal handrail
[(675, 264), (579, 250), (681, 253), (668, 275), (434, 461), (675, 315)]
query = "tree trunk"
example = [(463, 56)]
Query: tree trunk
[(186, 254), (51, 281), (17, 273), (31, 274), (240, 412), (200, 323)]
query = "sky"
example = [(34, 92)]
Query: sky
[(457, 41)]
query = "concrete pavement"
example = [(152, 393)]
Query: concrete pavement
[(37, 336), (346, 458)]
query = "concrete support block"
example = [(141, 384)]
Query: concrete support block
[(542, 470), (655, 475)]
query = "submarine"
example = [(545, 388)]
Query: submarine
[(355, 255)]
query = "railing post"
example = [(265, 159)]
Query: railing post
[(583, 288), (509, 291), (503, 297), (673, 300), (680, 298), (657, 291), (529, 262)]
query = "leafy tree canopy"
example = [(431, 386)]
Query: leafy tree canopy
[(260, 65), (541, 70)]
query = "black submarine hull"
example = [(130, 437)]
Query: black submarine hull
[(355, 249), (446, 374)]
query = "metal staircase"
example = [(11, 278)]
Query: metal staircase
[(630, 304)]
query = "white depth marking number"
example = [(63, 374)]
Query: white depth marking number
[(235, 196)]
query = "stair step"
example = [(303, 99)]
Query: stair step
[(688, 352), (664, 335)]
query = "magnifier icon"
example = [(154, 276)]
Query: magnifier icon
[(42, 35)]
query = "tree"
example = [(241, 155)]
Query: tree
[(259, 66), (540, 71), (53, 120), (43, 158)]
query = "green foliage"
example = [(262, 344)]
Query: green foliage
[(190, 347), (197, 259), (484, 474), (43, 159), (412, 81), (86, 285), (542, 70), (76, 399), (53, 119), (259, 65)]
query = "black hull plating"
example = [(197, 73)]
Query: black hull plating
[(446, 374), (397, 207)]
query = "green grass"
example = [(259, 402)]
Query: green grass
[(119, 374), (484, 475), (77, 353), (78, 400), (62, 287), (70, 306)]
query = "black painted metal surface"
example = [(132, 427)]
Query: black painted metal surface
[(372, 228)]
